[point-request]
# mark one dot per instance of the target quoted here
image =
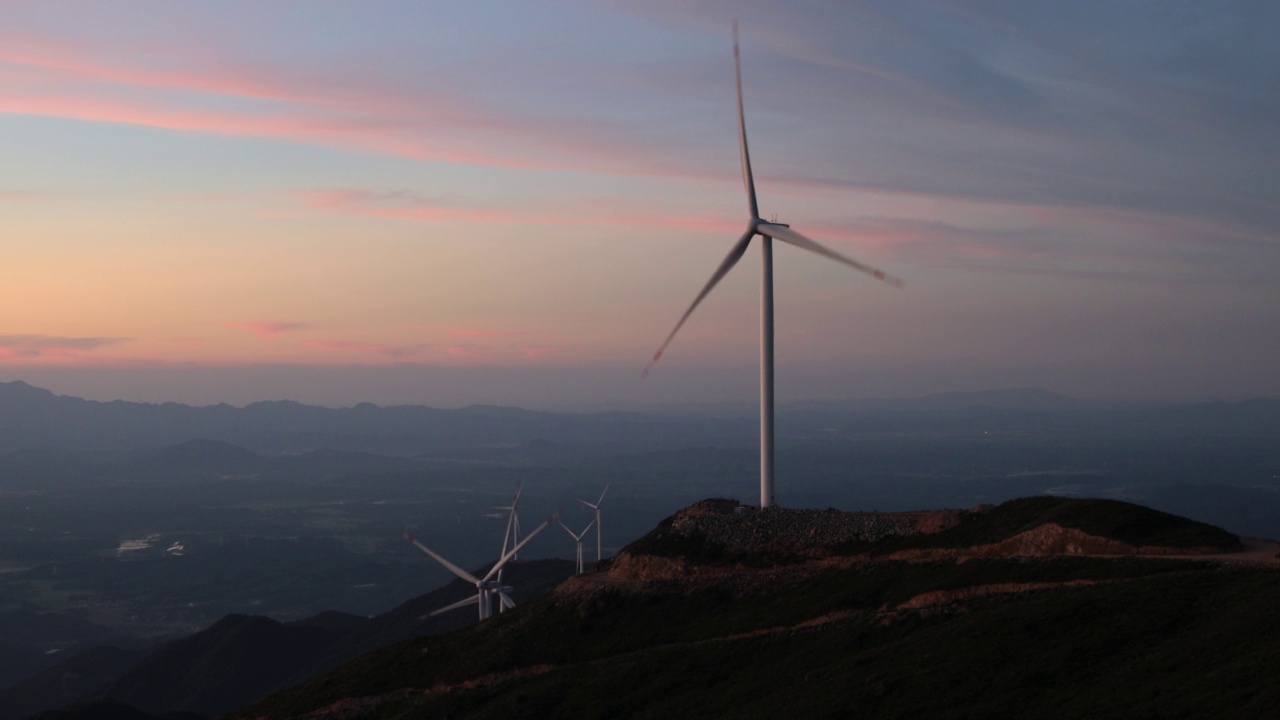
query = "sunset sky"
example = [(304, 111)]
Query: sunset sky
[(513, 202)]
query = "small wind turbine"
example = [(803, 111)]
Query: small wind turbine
[(512, 536), (596, 506), (577, 537), (768, 231), (489, 585)]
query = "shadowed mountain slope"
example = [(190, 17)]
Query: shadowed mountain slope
[(242, 658), (810, 631), (235, 661), (69, 681)]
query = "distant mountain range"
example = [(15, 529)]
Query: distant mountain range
[(32, 417)]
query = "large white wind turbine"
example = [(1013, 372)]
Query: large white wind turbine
[(489, 585), (596, 506), (577, 538), (768, 231)]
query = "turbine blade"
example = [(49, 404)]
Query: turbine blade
[(507, 602), (448, 565), (787, 235), (606, 489), (735, 254), (506, 534), (497, 567), (461, 603), (747, 181), (584, 502)]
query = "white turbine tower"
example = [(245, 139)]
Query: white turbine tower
[(489, 585), (768, 231), (577, 537), (596, 506)]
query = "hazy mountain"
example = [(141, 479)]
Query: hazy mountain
[(32, 417), (241, 658), (237, 660), (42, 639), (69, 681)]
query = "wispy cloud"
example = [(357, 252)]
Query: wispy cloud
[(381, 113), (471, 332), (407, 205), (512, 353), (34, 346), (269, 328), (395, 351), (537, 352)]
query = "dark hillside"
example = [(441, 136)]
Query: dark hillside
[(242, 658), (1124, 522), (531, 579), (69, 681), (235, 661), (1177, 638), (813, 634)]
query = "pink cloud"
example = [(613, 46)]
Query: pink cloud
[(405, 205), (364, 113), (269, 328), (465, 351), (378, 348), (294, 127), (73, 64), (536, 352), (340, 109), (34, 346), (472, 352), (472, 332)]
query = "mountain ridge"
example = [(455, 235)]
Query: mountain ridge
[(818, 633)]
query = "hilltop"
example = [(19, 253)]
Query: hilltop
[(725, 611)]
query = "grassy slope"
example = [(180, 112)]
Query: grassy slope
[(667, 654), (1167, 638), (1155, 648)]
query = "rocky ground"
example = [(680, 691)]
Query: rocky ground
[(748, 528)]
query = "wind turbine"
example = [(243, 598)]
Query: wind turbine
[(512, 536), (768, 231), (596, 506), (489, 585), (578, 538)]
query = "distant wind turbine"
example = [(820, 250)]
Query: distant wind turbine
[(512, 536), (768, 231), (488, 586), (577, 537), (596, 506)]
